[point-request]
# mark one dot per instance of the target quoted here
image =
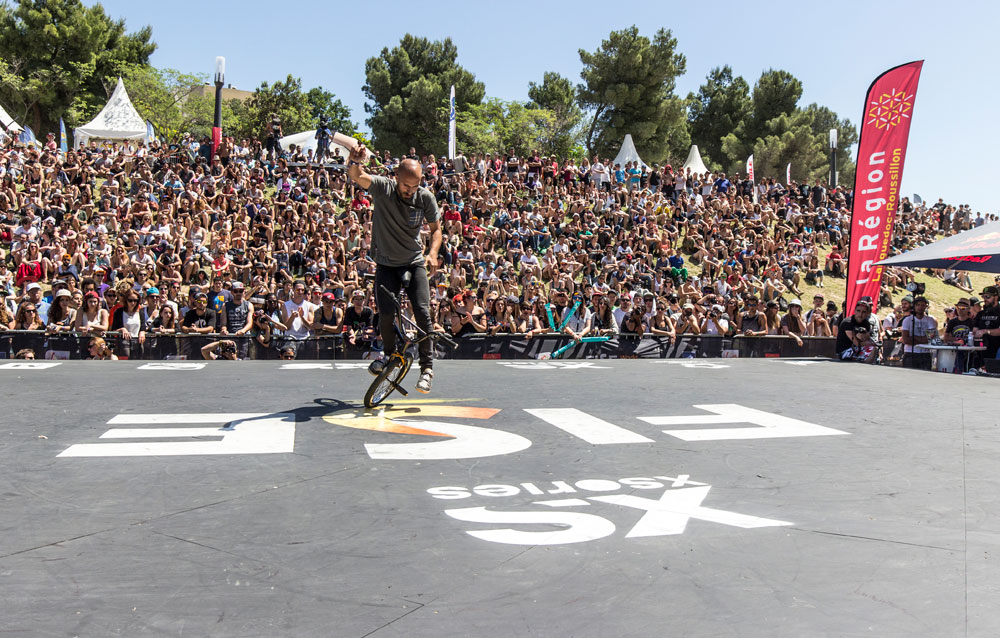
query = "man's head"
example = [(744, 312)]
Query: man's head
[(920, 306), (990, 296), (408, 176), (862, 310), (962, 308)]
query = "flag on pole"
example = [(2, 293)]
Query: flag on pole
[(917, 199), (753, 183), (881, 152), (150, 132), (788, 174), (63, 141), (451, 124), (27, 136)]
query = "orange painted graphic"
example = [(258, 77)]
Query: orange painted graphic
[(385, 419)]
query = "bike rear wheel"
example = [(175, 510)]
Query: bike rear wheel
[(392, 375)]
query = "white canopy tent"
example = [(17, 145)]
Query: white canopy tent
[(118, 120), (694, 161), (628, 153), (306, 140), (8, 122)]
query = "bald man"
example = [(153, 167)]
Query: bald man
[(401, 208)]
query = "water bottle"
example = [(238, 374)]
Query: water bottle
[(969, 338)]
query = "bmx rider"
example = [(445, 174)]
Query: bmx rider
[(401, 207)]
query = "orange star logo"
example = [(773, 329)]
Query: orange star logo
[(890, 108)]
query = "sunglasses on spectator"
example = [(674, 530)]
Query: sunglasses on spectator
[(288, 356)]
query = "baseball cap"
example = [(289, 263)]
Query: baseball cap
[(358, 292), (963, 302), (63, 293), (688, 306), (153, 290), (328, 296), (795, 302), (975, 301), (990, 290), (238, 285), (33, 286)]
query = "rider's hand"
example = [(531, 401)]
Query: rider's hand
[(358, 153)]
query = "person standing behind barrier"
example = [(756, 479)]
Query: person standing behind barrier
[(199, 320), (918, 328), (987, 320), (328, 321), (751, 322), (237, 319), (298, 317), (358, 325), (130, 321)]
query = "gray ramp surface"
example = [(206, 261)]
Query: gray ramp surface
[(724, 498)]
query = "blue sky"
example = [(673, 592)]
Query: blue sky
[(835, 48)]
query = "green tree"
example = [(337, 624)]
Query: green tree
[(823, 119), (324, 103), (628, 85), (57, 54), (775, 93), (284, 99), (164, 97), (790, 138), (407, 87), (720, 107), (496, 126), (557, 95)]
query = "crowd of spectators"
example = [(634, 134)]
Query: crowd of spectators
[(121, 242)]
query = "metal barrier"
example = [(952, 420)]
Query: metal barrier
[(71, 345)]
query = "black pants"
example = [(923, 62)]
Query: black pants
[(918, 360), (420, 300)]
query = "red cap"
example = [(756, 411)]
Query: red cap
[(329, 295)]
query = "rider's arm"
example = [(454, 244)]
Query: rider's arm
[(356, 170)]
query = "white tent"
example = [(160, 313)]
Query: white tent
[(8, 122), (628, 153), (306, 140), (118, 120), (694, 161)]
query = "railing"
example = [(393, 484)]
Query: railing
[(71, 345)]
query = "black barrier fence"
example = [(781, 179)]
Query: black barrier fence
[(69, 345)]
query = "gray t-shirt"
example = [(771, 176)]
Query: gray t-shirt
[(396, 224)]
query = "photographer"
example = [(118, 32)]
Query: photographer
[(223, 349), (687, 321), (266, 323), (715, 322), (271, 145)]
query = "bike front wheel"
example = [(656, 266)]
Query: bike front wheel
[(392, 375)]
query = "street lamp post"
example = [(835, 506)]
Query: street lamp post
[(833, 158), (220, 77)]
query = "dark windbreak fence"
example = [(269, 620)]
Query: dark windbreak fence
[(69, 345)]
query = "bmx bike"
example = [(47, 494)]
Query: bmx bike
[(397, 364)]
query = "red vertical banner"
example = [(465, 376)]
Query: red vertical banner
[(216, 139), (885, 129)]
